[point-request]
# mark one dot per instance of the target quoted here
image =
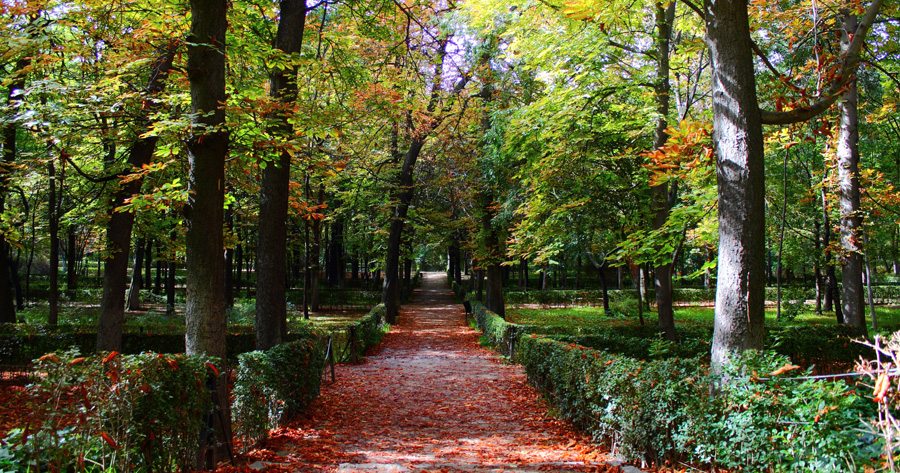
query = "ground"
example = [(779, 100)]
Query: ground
[(430, 399)]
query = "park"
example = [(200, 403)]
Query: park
[(449, 235)]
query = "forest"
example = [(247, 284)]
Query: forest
[(679, 220)]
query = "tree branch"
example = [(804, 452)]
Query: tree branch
[(847, 72)]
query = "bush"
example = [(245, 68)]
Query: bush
[(661, 410), (113, 412), (370, 329), (761, 422), (20, 343), (272, 386)]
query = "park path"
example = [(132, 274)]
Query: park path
[(429, 399)]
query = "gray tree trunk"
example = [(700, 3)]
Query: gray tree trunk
[(740, 281), (848, 178)]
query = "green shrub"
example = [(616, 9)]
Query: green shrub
[(760, 422), (273, 385), (370, 329), (20, 343), (113, 412), (661, 410)]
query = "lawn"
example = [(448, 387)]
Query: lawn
[(581, 319)]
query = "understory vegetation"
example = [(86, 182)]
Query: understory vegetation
[(652, 400)]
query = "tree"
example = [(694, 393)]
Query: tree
[(271, 309), (204, 212), (737, 121)]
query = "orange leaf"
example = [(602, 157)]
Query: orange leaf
[(784, 369), (112, 443)]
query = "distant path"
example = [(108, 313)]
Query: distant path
[(430, 399)]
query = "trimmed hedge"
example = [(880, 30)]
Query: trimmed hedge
[(272, 386), (19, 344), (369, 330), (885, 293), (659, 411), (112, 412)]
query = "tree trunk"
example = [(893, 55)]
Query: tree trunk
[(71, 263), (495, 290), (737, 137), (479, 284), (523, 274), (13, 98), (336, 251), (205, 321), (229, 261), (784, 189), (134, 289), (120, 224), (239, 271), (403, 195), (148, 265), (271, 308), (315, 268), (171, 269), (848, 177), (157, 283), (53, 211), (817, 267), (665, 16), (14, 265)]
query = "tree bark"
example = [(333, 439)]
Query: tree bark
[(848, 178), (134, 289), (403, 195), (71, 263), (271, 308), (737, 137), (13, 98), (336, 255), (205, 321), (120, 224), (53, 217)]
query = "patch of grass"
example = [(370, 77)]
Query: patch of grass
[(585, 318)]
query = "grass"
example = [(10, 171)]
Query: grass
[(586, 318), (154, 320)]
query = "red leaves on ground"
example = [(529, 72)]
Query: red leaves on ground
[(431, 399)]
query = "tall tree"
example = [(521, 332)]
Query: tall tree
[(737, 121), (207, 146), (121, 221), (848, 179), (271, 308)]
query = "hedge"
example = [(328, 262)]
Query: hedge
[(659, 411), (884, 293), (19, 344), (272, 386), (112, 412), (369, 329)]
